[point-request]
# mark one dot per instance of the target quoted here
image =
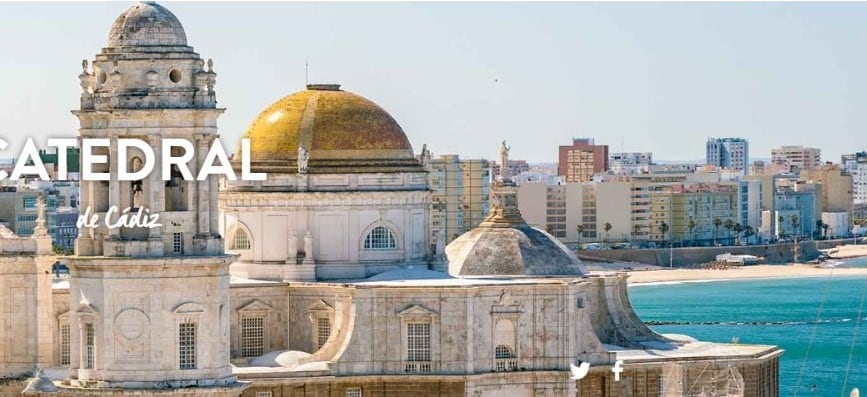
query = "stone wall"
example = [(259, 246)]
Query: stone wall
[(374, 386), (687, 257)]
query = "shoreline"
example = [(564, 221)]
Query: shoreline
[(752, 272)]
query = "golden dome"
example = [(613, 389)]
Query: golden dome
[(342, 132)]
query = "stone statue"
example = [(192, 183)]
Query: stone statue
[(504, 161), (303, 156), (84, 66), (308, 248), (210, 65), (293, 248)]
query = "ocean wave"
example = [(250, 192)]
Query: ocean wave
[(754, 323)]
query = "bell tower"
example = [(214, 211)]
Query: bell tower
[(149, 305)]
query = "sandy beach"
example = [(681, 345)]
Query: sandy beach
[(746, 272)]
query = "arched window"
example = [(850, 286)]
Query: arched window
[(380, 238), (240, 241), (503, 351)]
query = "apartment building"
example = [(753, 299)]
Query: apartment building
[(697, 214), (796, 158), (731, 153), (581, 160)]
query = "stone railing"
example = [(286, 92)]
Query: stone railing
[(417, 367), (506, 364)]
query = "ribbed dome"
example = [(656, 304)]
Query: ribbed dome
[(342, 132), (146, 24), (516, 250)]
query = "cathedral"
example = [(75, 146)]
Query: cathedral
[(321, 279)]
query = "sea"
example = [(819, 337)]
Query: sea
[(820, 322)]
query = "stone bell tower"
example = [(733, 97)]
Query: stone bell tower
[(149, 306)]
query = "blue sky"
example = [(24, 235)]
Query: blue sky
[(463, 76)]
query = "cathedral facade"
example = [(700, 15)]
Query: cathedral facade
[(319, 280)]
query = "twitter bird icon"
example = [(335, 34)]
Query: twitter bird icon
[(580, 371)]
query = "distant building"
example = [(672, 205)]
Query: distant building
[(583, 159), (690, 212), (50, 160), (461, 190), (627, 163), (856, 165), (795, 211), (64, 230), (796, 158), (835, 225), (578, 212), (837, 189), (516, 167), (732, 153)]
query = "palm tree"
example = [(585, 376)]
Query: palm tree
[(782, 231), (818, 233), (795, 230), (607, 227), (748, 232), (717, 222), (691, 226), (825, 230), (738, 229), (729, 225), (580, 230), (663, 227)]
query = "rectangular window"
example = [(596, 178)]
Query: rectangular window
[(252, 336), (418, 342), (263, 394), (187, 345), (88, 346), (353, 392), (64, 344), (29, 202), (323, 331), (178, 243)]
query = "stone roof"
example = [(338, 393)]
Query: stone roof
[(146, 24), (342, 132), (516, 250), (39, 385)]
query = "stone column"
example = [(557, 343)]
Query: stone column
[(202, 205), (156, 194), (213, 208), (113, 185)]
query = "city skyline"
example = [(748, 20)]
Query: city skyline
[(470, 75)]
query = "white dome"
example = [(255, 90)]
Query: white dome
[(146, 24)]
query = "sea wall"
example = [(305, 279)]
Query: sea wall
[(689, 256)]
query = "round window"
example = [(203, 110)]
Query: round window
[(175, 75)]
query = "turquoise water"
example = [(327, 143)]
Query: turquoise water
[(781, 312)]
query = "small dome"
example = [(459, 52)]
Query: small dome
[(515, 250), (342, 132), (146, 24)]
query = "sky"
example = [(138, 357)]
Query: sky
[(461, 77)]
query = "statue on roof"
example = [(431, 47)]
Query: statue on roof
[(504, 161), (303, 156)]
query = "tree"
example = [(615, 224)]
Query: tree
[(663, 227), (794, 220), (691, 226), (607, 227), (825, 230), (729, 225), (818, 232), (580, 230), (738, 228), (748, 232), (782, 231), (717, 222)]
